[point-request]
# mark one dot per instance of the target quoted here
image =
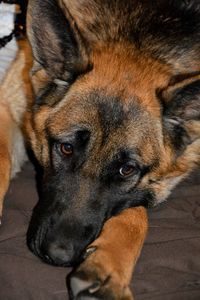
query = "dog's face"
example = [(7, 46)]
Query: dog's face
[(100, 132)]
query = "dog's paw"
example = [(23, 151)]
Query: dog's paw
[(90, 286), (98, 278)]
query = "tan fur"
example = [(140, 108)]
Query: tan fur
[(14, 92), (5, 155)]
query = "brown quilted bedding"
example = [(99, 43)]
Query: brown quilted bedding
[(168, 269)]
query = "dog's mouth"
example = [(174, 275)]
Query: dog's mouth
[(34, 242)]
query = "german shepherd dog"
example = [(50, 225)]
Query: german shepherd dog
[(112, 113)]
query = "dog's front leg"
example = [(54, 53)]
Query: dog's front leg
[(5, 153), (107, 271), (12, 151)]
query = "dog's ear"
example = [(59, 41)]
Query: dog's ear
[(57, 44), (181, 111)]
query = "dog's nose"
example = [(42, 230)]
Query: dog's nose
[(59, 254)]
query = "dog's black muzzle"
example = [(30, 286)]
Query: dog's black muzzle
[(59, 233), (57, 246)]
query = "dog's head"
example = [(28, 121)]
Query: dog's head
[(110, 126)]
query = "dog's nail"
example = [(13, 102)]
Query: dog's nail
[(79, 285), (94, 288), (89, 251)]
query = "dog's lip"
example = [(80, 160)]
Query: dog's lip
[(33, 246), (35, 240)]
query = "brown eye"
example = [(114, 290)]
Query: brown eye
[(66, 149), (126, 170)]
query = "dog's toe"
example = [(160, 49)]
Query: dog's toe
[(83, 287), (87, 286), (80, 286)]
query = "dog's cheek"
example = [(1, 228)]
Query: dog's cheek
[(164, 179)]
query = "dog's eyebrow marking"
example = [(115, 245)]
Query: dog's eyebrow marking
[(111, 113)]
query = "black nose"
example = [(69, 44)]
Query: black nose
[(58, 254), (60, 243)]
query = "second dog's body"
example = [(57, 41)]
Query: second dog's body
[(113, 120), (13, 103)]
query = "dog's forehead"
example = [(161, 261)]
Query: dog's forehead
[(113, 123), (94, 110)]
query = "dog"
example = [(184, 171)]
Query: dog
[(111, 111)]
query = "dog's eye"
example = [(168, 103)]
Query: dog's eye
[(126, 170), (66, 149)]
